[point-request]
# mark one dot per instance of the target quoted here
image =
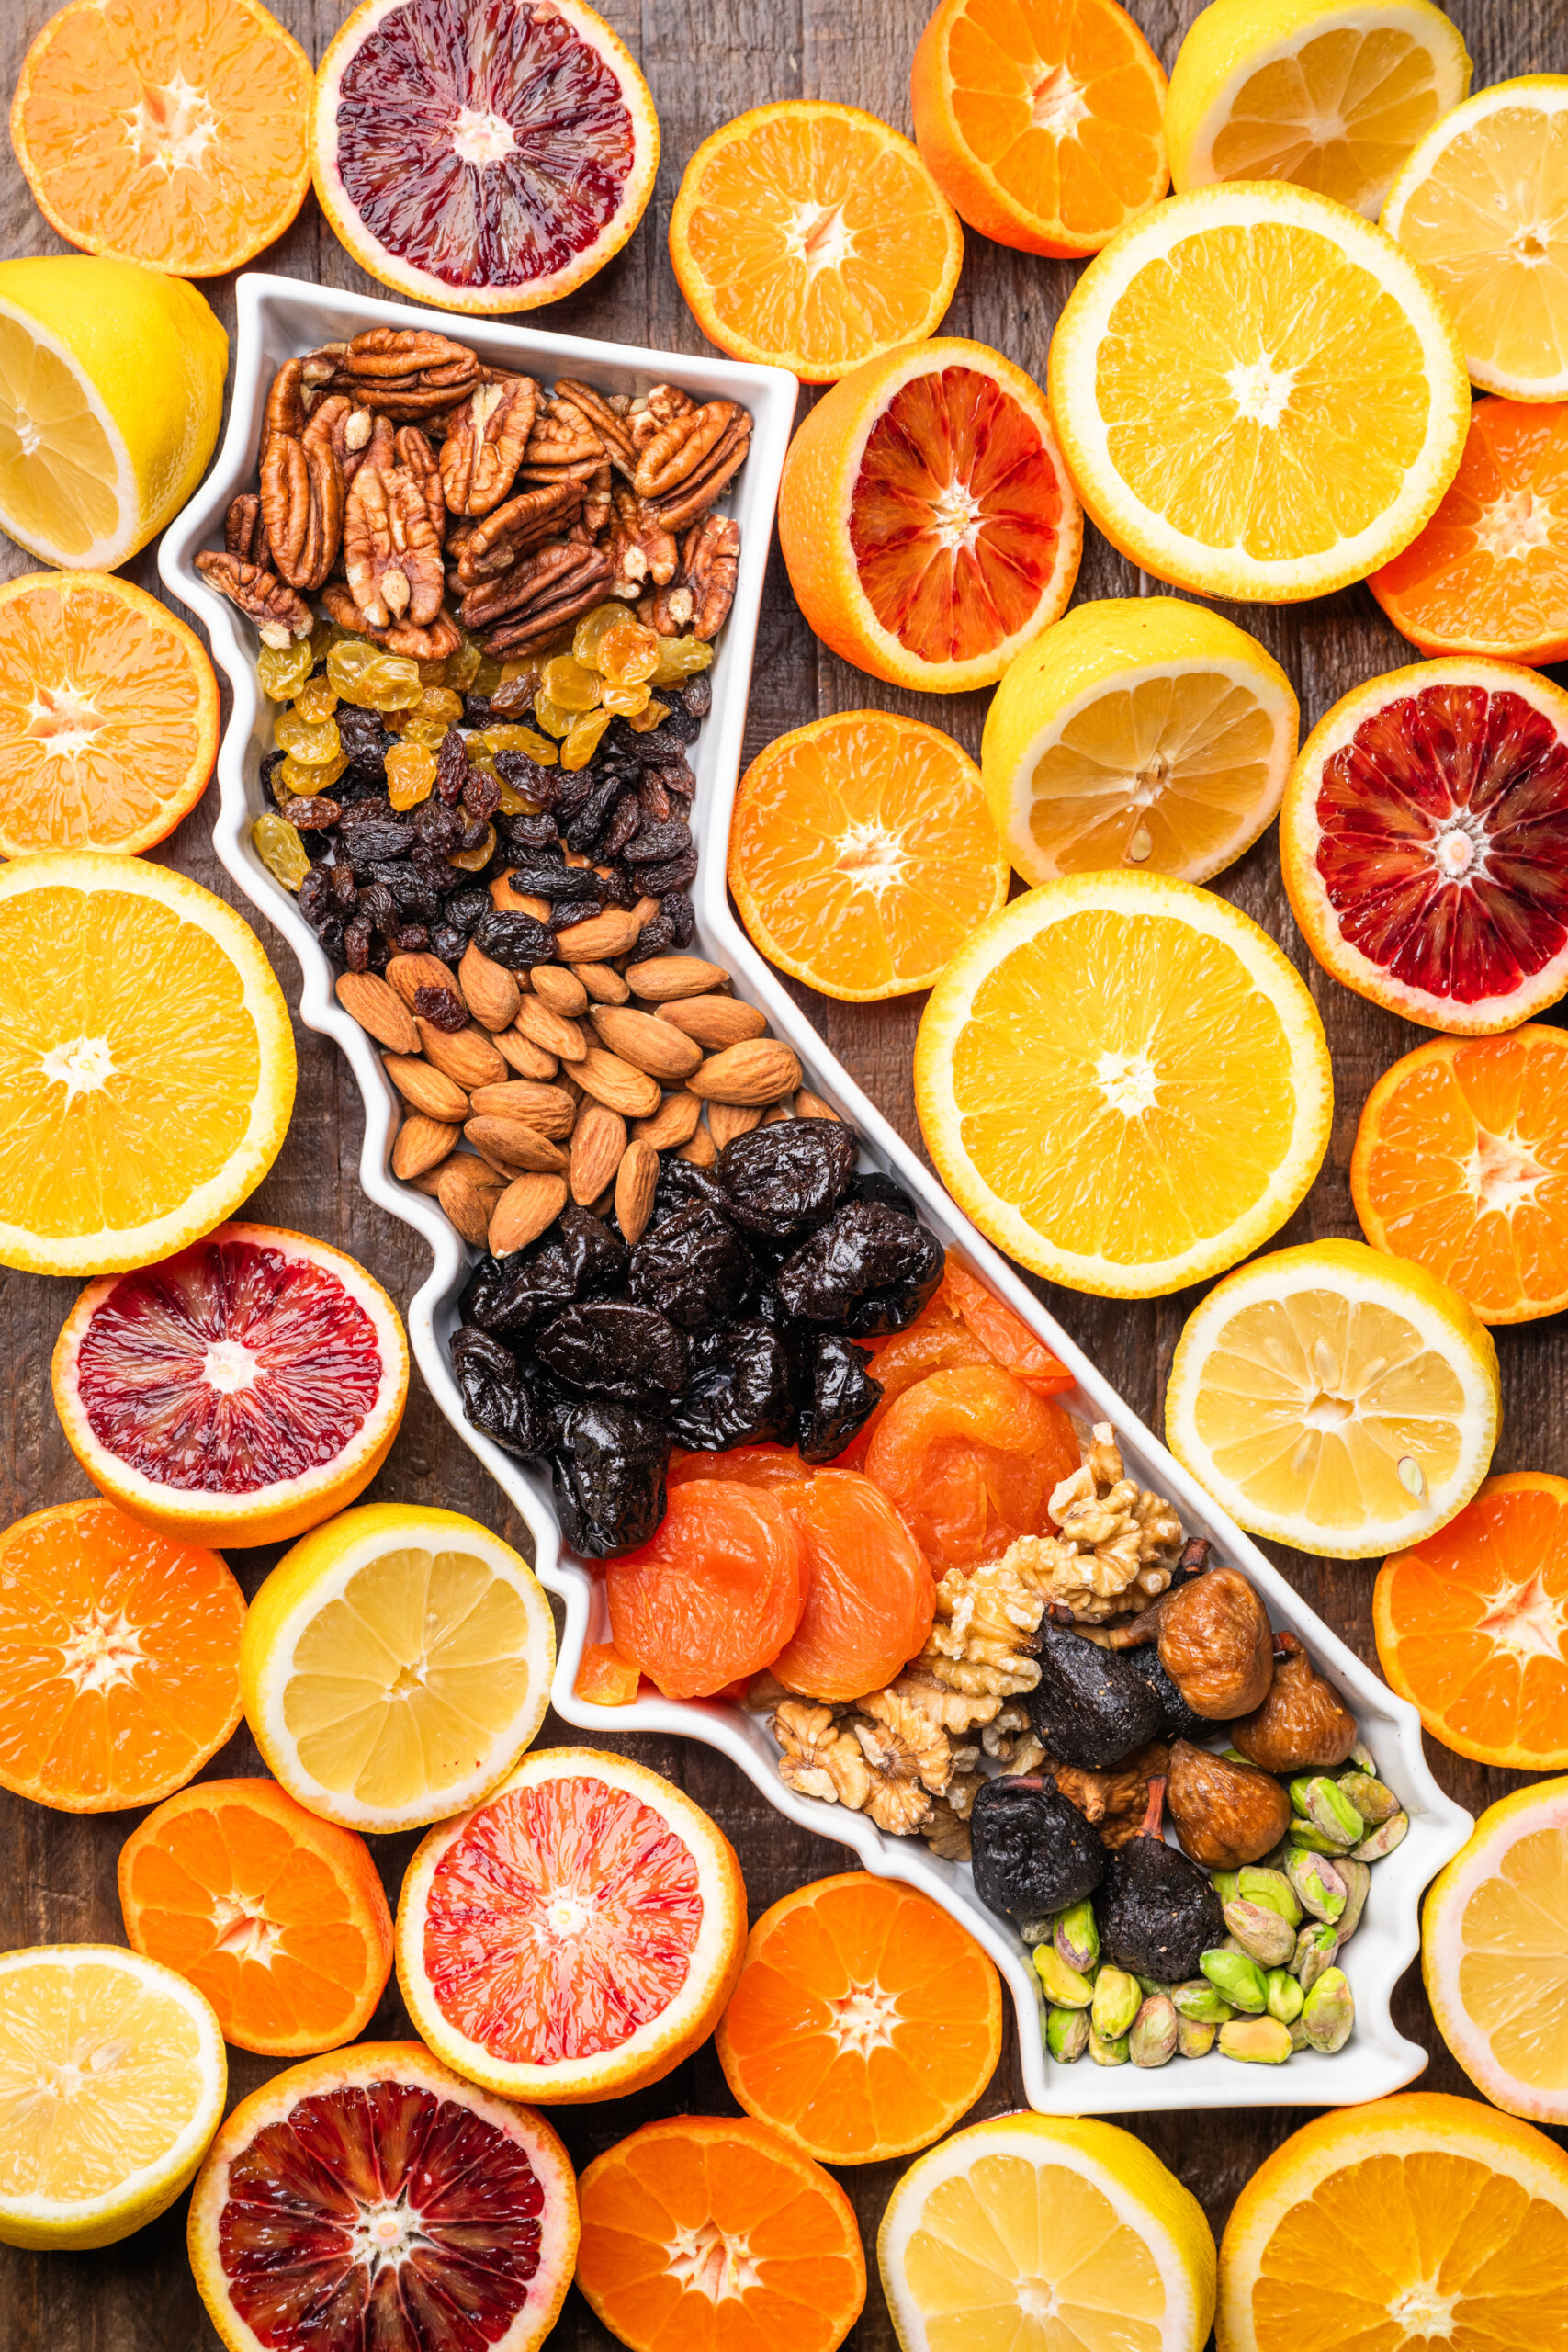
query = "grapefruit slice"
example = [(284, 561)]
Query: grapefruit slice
[(1424, 840), (239, 1393), (577, 1935), (485, 154), (372, 2198), (927, 521)]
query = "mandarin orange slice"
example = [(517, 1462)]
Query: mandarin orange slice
[(716, 1594), (969, 1459), (869, 1594)]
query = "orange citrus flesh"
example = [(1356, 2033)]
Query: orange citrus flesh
[(168, 132), (866, 2022), (1489, 574), (869, 1594), (279, 1919), (969, 1459), (1044, 125), (120, 1654), (1472, 1624), (1461, 1164), (863, 853)]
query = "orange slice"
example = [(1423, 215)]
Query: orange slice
[(277, 1917), (120, 1658), (927, 521), (712, 2232), (863, 855), (1472, 1624), (1044, 125), (108, 715), (166, 131), (812, 237), (865, 2024)]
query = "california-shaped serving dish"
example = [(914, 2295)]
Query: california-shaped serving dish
[(277, 318)]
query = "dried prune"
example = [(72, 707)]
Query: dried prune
[(576, 1257), (841, 1396), (869, 1270), (739, 1393), (1033, 1851), (495, 1398), (779, 1179), (870, 1184), (693, 1267), (607, 1347), (609, 1476), (518, 941), (1090, 1706), (681, 1181)]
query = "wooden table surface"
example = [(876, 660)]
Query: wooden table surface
[(706, 61)]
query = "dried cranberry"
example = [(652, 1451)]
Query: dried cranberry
[(443, 1008)]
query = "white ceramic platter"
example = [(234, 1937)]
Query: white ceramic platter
[(277, 318)]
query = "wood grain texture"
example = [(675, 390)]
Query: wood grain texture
[(706, 61)]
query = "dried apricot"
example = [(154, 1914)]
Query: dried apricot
[(716, 1594), (969, 1458), (604, 1678), (869, 1595), (751, 1465), (1006, 1335)]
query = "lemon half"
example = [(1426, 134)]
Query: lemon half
[(1495, 1954)]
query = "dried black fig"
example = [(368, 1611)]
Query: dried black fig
[(1156, 1911), (1225, 1815), (1090, 1706), (1033, 1851), (1301, 1725), (1216, 1645), (1177, 1719)]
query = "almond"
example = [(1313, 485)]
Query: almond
[(549, 1108), (647, 1043), (516, 1144), (365, 997), (636, 1180), (469, 1191), (426, 1088), (780, 1111), (408, 974), (602, 937), (662, 978), (469, 1057), (601, 982), (609, 1080), (524, 1210), (598, 1142), (429, 1179), (644, 912), (421, 1143), (674, 1121), (811, 1106), (517, 902), (561, 990), (714, 1021), (759, 1072), (490, 993), (522, 1055), (701, 1151), (552, 1032), (727, 1120)]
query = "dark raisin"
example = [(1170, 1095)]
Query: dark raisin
[(618, 887), (375, 842), (697, 695), (328, 931), (451, 766), (433, 869), (609, 1476), (407, 887), (670, 874), (656, 936), (527, 776), (437, 826), (477, 711), (607, 1347), (780, 1178), (868, 1270), (656, 842), (271, 763), (518, 941), (374, 810), (345, 890), (443, 1008), (681, 726), (412, 939), (625, 819), (652, 798), (476, 830), (513, 699), (530, 829), (363, 737), (538, 877), (356, 945), (582, 829), (316, 893), (840, 1400), (739, 1393), (573, 911), (467, 908), (481, 795), (314, 816), (377, 906), (667, 753), (692, 1268), (447, 941), (675, 907)]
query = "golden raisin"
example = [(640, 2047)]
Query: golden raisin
[(281, 671), (589, 630), (316, 700), (629, 700), (629, 654), (471, 860), (680, 657), (551, 718), (280, 849), (569, 687), (644, 721), (292, 779), (411, 772), (583, 740)]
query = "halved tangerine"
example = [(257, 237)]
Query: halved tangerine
[(927, 523), (869, 1594), (716, 1592), (577, 1935), (1424, 840), (969, 1459)]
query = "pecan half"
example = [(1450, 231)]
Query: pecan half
[(244, 531), (351, 438), (562, 444), (710, 555), (390, 550), (277, 612), (661, 407), (301, 481), (494, 544), (667, 610), (418, 460), (693, 492), (640, 552), (534, 577), (683, 448), (565, 580), (613, 429), (485, 441), (433, 644), (596, 505), (402, 372)]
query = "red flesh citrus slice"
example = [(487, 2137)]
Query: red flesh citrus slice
[(1424, 838), (714, 1594), (485, 154), (577, 1935), (241, 1392), (869, 1594), (373, 2197), (969, 1459)]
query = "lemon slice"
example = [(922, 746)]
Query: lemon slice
[(1139, 731), (1124, 1083), (1036, 2234), (1483, 204), (1257, 393), (112, 2082), (1335, 1399), (1495, 1954), (1330, 94), (395, 1665)]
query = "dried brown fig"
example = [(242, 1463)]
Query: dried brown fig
[(1301, 1725), (1225, 1815), (1116, 1801), (1216, 1645)]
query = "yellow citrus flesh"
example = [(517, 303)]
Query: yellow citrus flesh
[(1335, 1399), (1125, 1083), (1482, 203), (1495, 1954)]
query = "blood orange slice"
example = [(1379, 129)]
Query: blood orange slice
[(485, 154), (373, 2197), (1424, 839), (927, 523), (577, 1935), (241, 1392)]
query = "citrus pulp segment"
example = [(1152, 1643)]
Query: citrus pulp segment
[(395, 1665), (1042, 125), (1124, 1082), (1473, 1625), (1139, 731), (1424, 843), (1335, 1399), (927, 523), (1451, 2223), (1494, 1951), (1482, 204), (1064, 2234), (112, 2080), (119, 1658), (862, 853), (810, 236), (373, 2197), (1330, 94), (277, 1919), (866, 2021), (166, 131), (481, 154), (1257, 393), (111, 393), (240, 1392), (574, 1936)]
